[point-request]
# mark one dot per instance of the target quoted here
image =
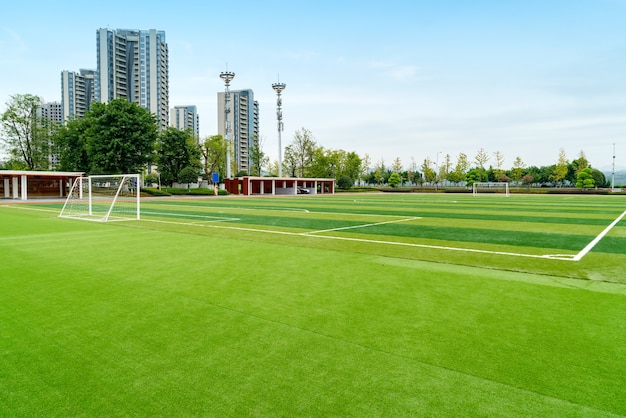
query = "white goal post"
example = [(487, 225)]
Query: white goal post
[(103, 198), (490, 187)]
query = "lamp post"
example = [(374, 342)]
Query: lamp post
[(613, 174), (278, 88), (437, 170), (227, 76)]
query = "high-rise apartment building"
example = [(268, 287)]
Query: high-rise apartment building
[(51, 111), (77, 93), (133, 64), (186, 118), (244, 125), (49, 115)]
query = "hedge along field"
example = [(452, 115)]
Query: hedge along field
[(152, 318)]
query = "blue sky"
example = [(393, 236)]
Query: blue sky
[(410, 79)]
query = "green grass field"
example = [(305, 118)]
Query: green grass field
[(346, 305)]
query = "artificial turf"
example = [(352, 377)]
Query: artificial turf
[(144, 318)]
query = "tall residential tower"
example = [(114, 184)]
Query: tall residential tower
[(133, 64), (186, 118), (77, 93), (244, 114)]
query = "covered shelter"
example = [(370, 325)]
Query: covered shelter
[(249, 186), (19, 184)]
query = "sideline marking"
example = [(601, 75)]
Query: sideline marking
[(217, 207), (597, 239), (28, 208), (207, 217)]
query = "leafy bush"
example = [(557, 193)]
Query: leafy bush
[(344, 182), (154, 192), (194, 192)]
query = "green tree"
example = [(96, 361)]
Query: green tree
[(300, 153), (187, 175), (518, 169), (273, 169), (351, 166), (473, 176), (176, 150), (560, 169), (528, 179), (257, 157), (411, 173), (499, 171), (13, 165), (394, 180), (344, 182), (460, 169), (364, 171), (481, 159), (121, 137), (599, 178), (25, 135), (585, 179), (429, 175), (379, 172), (396, 166), (71, 144), (324, 163), (443, 173), (213, 152)]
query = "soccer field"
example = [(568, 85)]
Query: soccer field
[(345, 305)]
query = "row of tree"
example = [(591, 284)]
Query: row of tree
[(122, 137), (463, 172)]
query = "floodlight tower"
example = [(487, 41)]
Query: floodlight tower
[(227, 76), (613, 174), (278, 88)]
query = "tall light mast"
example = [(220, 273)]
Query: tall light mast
[(613, 174), (227, 76), (278, 88)]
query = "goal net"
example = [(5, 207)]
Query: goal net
[(490, 187), (103, 198)]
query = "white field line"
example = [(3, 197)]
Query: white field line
[(280, 209), (562, 257), (28, 208), (360, 226), (597, 239), (207, 218)]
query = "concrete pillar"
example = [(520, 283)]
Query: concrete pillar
[(15, 187), (7, 189), (24, 187), (262, 187)]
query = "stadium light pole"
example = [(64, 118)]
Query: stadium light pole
[(437, 170), (227, 76), (613, 173), (278, 88)]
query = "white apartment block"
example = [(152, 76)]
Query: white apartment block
[(133, 64)]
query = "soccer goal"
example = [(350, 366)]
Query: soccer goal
[(490, 187), (103, 198)]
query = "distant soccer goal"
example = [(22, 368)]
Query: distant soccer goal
[(490, 187), (103, 198)]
